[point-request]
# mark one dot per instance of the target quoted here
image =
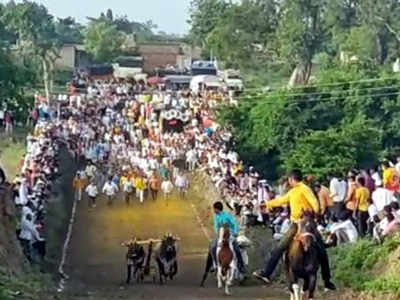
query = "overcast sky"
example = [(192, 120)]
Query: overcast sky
[(169, 15)]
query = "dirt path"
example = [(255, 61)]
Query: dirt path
[(96, 262)]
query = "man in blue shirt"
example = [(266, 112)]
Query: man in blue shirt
[(221, 218)]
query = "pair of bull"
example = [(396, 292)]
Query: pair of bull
[(139, 262)]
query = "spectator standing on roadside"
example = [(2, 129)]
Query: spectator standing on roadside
[(362, 197), (8, 120), (28, 236), (2, 111), (78, 184)]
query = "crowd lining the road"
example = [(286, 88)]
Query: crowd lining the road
[(135, 140)]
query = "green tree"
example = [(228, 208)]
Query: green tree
[(336, 150), (36, 33), (110, 15), (244, 32), (69, 31), (301, 35), (204, 16), (103, 40)]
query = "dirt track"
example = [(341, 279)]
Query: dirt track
[(96, 262)]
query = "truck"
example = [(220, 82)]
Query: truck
[(232, 80), (129, 67)]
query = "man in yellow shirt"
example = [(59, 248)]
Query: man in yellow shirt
[(140, 187), (78, 184), (362, 196), (389, 177), (300, 199)]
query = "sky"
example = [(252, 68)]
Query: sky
[(169, 15)]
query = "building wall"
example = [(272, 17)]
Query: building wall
[(158, 60), (159, 55), (67, 58)]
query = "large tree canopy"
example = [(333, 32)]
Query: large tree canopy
[(36, 35), (103, 40)]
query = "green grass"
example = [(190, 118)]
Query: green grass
[(32, 285), (365, 266), (11, 152)]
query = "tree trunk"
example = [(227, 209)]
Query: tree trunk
[(301, 74), (51, 77), (46, 78)]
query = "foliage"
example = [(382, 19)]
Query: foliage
[(69, 31), (336, 150), (204, 16), (11, 153), (330, 127), (103, 41), (36, 33), (14, 78), (291, 33), (356, 265)]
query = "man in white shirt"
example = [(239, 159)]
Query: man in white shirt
[(285, 225), (28, 235), (92, 192), (345, 231), (23, 193), (166, 187), (191, 159), (182, 184), (110, 189), (90, 171), (382, 197), (397, 166), (338, 191)]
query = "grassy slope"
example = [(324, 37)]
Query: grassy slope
[(11, 151), (369, 268), (33, 284)]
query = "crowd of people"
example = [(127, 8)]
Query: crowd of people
[(135, 140), (129, 138)]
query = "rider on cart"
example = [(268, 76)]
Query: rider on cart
[(221, 218)]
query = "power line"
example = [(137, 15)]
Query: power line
[(327, 93), (323, 85), (318, 93), (265, 101)]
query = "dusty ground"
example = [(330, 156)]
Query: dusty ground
[(96, 262)]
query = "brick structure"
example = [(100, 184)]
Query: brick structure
[(157, 55)]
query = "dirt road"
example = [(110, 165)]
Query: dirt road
[(96, 262)]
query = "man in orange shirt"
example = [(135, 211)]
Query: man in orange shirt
[(154, 185), (324, 198), (78, 184)]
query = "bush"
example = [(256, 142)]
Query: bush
[(329, 127), (354, 266)]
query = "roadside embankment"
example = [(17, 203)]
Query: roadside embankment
[(19, 279)]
